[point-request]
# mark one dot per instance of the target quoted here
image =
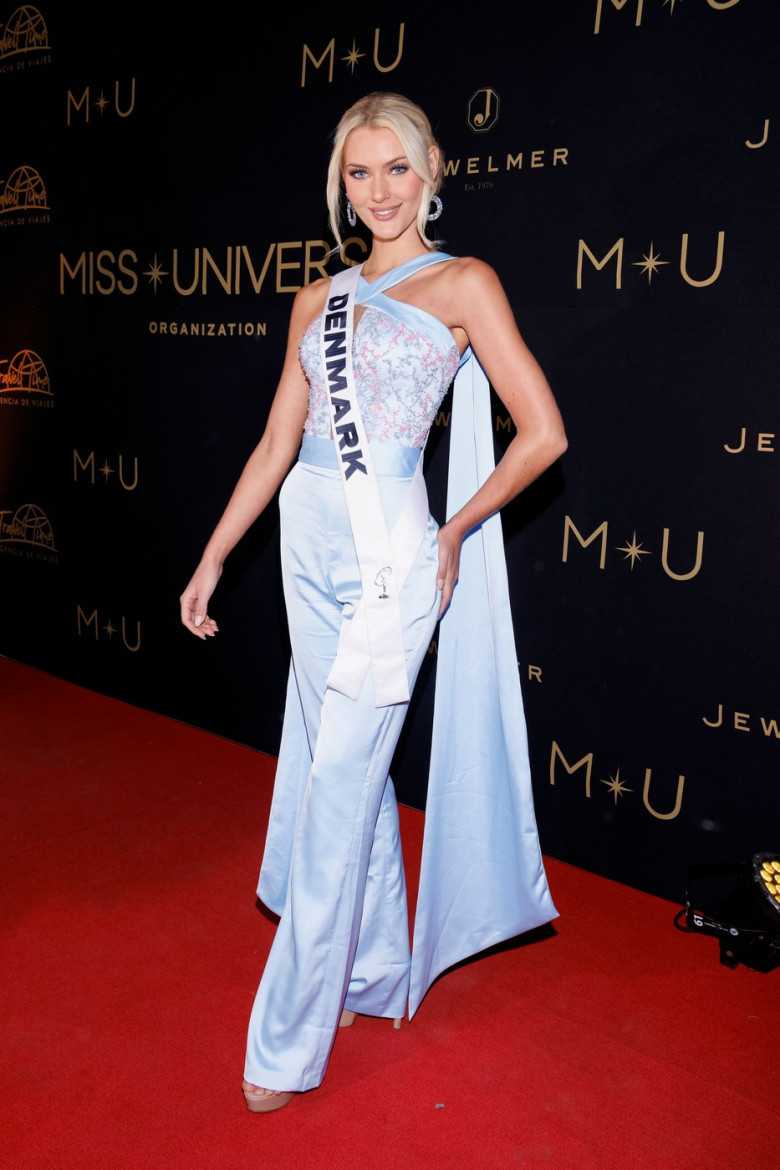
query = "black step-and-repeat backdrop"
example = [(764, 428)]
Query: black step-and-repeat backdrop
[(161, 200)]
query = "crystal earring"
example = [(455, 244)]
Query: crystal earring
[(437, 206), (351, 217)]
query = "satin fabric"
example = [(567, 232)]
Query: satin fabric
[(482, 877), (332, 866)]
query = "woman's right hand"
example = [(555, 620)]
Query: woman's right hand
[(195, 599), (265, 469)]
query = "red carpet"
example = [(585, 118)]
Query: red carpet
[(132, 945)]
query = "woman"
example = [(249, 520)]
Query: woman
[(367, 574)]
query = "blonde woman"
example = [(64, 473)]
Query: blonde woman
[(367, 575)]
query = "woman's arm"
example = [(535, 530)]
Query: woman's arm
[(481, 307), (263, 473)]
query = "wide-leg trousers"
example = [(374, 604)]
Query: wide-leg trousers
[(343, 934)]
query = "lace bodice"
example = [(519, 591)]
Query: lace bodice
[(404, 361)]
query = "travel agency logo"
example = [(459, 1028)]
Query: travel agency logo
[(380, 51), (27, 532), (23, 198), (24, 380), (636, 8), (24, 40)]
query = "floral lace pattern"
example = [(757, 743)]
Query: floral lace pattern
[(401, 376)]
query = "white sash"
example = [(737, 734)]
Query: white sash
[(374, 636)]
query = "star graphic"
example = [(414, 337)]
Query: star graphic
[(616, 785), (102, 102), (106, 470), (634, 551), (650, 263), (155, 273), (671, 4), (111, 630), (353, 56)]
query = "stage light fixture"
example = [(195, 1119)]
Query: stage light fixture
[(746, 919)]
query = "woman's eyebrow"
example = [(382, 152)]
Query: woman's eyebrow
[(390, 163)]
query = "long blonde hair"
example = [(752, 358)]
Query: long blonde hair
[(390, 111)]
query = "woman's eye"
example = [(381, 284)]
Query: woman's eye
[(400, 169), (357, 174)]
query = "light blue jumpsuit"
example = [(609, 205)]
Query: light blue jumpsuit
[(332, 867)]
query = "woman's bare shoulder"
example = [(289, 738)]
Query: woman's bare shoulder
[(474, 285), (473, 272), (312, 296), (309, 303)]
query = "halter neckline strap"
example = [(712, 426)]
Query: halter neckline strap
[(400, 272)]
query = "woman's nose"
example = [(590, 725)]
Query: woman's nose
[(379, 189)]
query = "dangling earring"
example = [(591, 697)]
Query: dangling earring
[(351, 217), (437, 204)]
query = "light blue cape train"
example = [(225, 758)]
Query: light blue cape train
[(482, 878)]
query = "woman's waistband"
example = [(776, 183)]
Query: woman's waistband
[(387, 458)]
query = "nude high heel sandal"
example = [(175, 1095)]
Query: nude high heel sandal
[(263, 1101), (348, 1018)]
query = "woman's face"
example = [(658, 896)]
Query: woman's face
[(380, 183)]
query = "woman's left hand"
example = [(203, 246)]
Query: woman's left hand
[(449, 564)]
